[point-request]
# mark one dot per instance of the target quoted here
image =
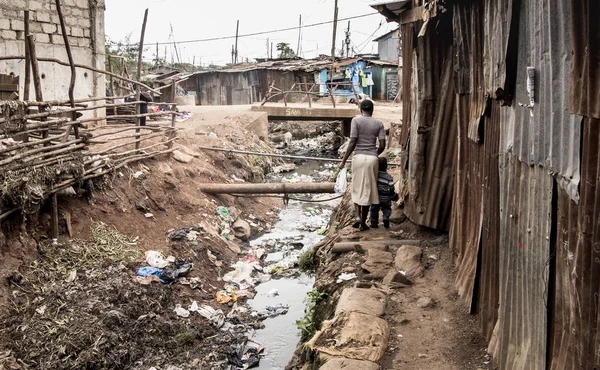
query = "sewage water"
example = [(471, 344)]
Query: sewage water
[(298, 222)]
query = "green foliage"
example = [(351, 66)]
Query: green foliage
[(306, 260), (285, 51), (311, 322)]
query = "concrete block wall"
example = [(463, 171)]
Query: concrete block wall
[(85, 29)]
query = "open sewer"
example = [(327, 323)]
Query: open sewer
[(296, 231)]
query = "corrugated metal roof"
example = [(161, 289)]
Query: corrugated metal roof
[(546, 135), (395, 7), (525, 209), (575, 335), (585, 77)]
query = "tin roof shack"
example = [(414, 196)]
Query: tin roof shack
[(521, 89), (250, 83), (388, 45), (385, 79)]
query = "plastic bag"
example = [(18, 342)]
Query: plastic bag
[(341, 182), (156, 259)]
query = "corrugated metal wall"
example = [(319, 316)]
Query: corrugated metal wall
[(525, 231), (388, 48), (433, 130), (546, 135)]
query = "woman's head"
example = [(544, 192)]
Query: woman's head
[(383, 164), (366, 106)]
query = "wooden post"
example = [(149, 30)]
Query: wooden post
[(54, 220), (173, 90), (63, 28), (37, 83), (304, 80), (139, 77), (270, 188), (27, 59), (112, 84)]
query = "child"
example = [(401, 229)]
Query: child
[(387, 194)]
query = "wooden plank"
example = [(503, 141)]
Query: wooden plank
[(9, 87), (412, 15)]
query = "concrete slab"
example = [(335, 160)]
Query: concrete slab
[(304, 113)]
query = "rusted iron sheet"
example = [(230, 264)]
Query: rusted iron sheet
[(465, 231), (545, 135), (500, 35), (433, 138), (407, 32), (488, 282), (585, 75), (468, 61), (525, 209), (575, 337)]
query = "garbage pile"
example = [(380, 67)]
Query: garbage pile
[(165, 270)]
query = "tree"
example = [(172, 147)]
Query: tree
[(285, 51)]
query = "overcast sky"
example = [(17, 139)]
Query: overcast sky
[(202, 19)]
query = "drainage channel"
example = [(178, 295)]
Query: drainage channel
[(294, 233)]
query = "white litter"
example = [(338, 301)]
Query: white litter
[(193, 307), (181, 312), (273, 292), (156, 259), (345, 277)]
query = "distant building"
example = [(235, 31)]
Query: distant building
[(389, 45)]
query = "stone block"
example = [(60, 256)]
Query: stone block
[(368, 301), (57, 39), (35, 27), (10, 14), (17, 25), (83, 42), (86, 32), (76, 12), (8, 35), (76, 31), (83, 23), (48, 27), (4, 24), (36, 5), (43, 17), (42, 37)]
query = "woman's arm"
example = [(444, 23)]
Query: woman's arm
[(351, 146)]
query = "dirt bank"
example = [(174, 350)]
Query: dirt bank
[(80, 305)]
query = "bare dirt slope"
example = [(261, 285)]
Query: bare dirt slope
[(79, 305)]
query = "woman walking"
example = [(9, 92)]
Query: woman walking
[(365, 131)]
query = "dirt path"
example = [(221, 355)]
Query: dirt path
[(443, 336)]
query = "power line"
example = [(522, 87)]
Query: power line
[(260, 33)]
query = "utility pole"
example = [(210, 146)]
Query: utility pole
[(299, 33), (194, 63), (271, 50), (267, 48), (237, 28), (335, 18), (232, 54), (157, 56), (348, 41)]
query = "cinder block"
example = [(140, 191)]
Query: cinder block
[(8, 35), (42, 37), (48, 27), (36, 5), (43, 17), (84, 42), (17, 25), (76, 31), (57, 39), (4, 24)]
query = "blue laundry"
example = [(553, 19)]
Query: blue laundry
[(148, 270)]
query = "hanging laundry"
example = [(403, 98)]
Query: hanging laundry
[(348, 73), (363, 79), (370, 79)]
